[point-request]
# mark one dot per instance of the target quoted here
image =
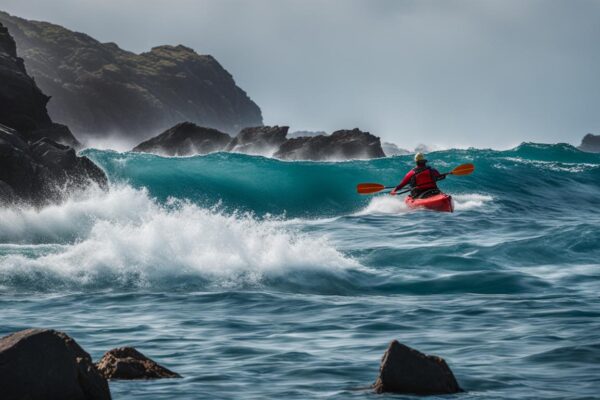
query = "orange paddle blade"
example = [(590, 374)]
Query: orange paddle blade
[(366, 188), (464, 169)]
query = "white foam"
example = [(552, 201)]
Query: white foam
[(469, 201), (385, 204), (125, 236), (395, 204)]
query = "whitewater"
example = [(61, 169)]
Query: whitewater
[(272, 279)]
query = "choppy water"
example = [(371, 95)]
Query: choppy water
[(256, 278)]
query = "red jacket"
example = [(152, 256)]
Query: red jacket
[(422, 178)]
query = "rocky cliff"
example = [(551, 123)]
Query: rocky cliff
[(22, 103), (99, 88), (33, 167), (590, 143)]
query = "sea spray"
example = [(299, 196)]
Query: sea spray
[(126, 238)]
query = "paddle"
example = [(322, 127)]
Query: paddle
[(369, 188)]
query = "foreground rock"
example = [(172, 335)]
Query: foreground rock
[(99, 88), (22, 103), (590, 143), (261, 140), (185, 139), (406, 370), (46, 364), (128, 363), (42, 171), (340, 145)]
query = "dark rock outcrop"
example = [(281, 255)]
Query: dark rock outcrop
[(42, 171), (340, 145), (261, 140), (22, 103), (99, 88), (590, 143), (185, 139), (46, 364), (128, 363), (406, 370)]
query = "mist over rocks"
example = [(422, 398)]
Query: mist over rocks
[(185, 139), (99, 89), (590, 143), (406, 370), (22, 103), (47, 364), (260, 140), (391, 149), (340, 145)]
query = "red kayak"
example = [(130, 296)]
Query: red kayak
[(437, 202)]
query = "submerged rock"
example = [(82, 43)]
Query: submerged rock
[(46, 364), (590, 143), (340, 145), (22, 103), (261, 140), (99, 88), (406, 370), (185, 139), (128, 363)]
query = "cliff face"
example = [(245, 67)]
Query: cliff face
[(98, 88), (33, 167), (22, 103)]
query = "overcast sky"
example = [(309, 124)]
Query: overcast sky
[(450, 73)]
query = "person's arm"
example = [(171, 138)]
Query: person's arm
[(436, 175), (404, 182)]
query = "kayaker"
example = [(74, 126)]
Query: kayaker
[(421, 179)]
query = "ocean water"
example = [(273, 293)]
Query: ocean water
[(261, 279)]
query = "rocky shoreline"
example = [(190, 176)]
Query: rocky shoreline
[(47, 364)]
